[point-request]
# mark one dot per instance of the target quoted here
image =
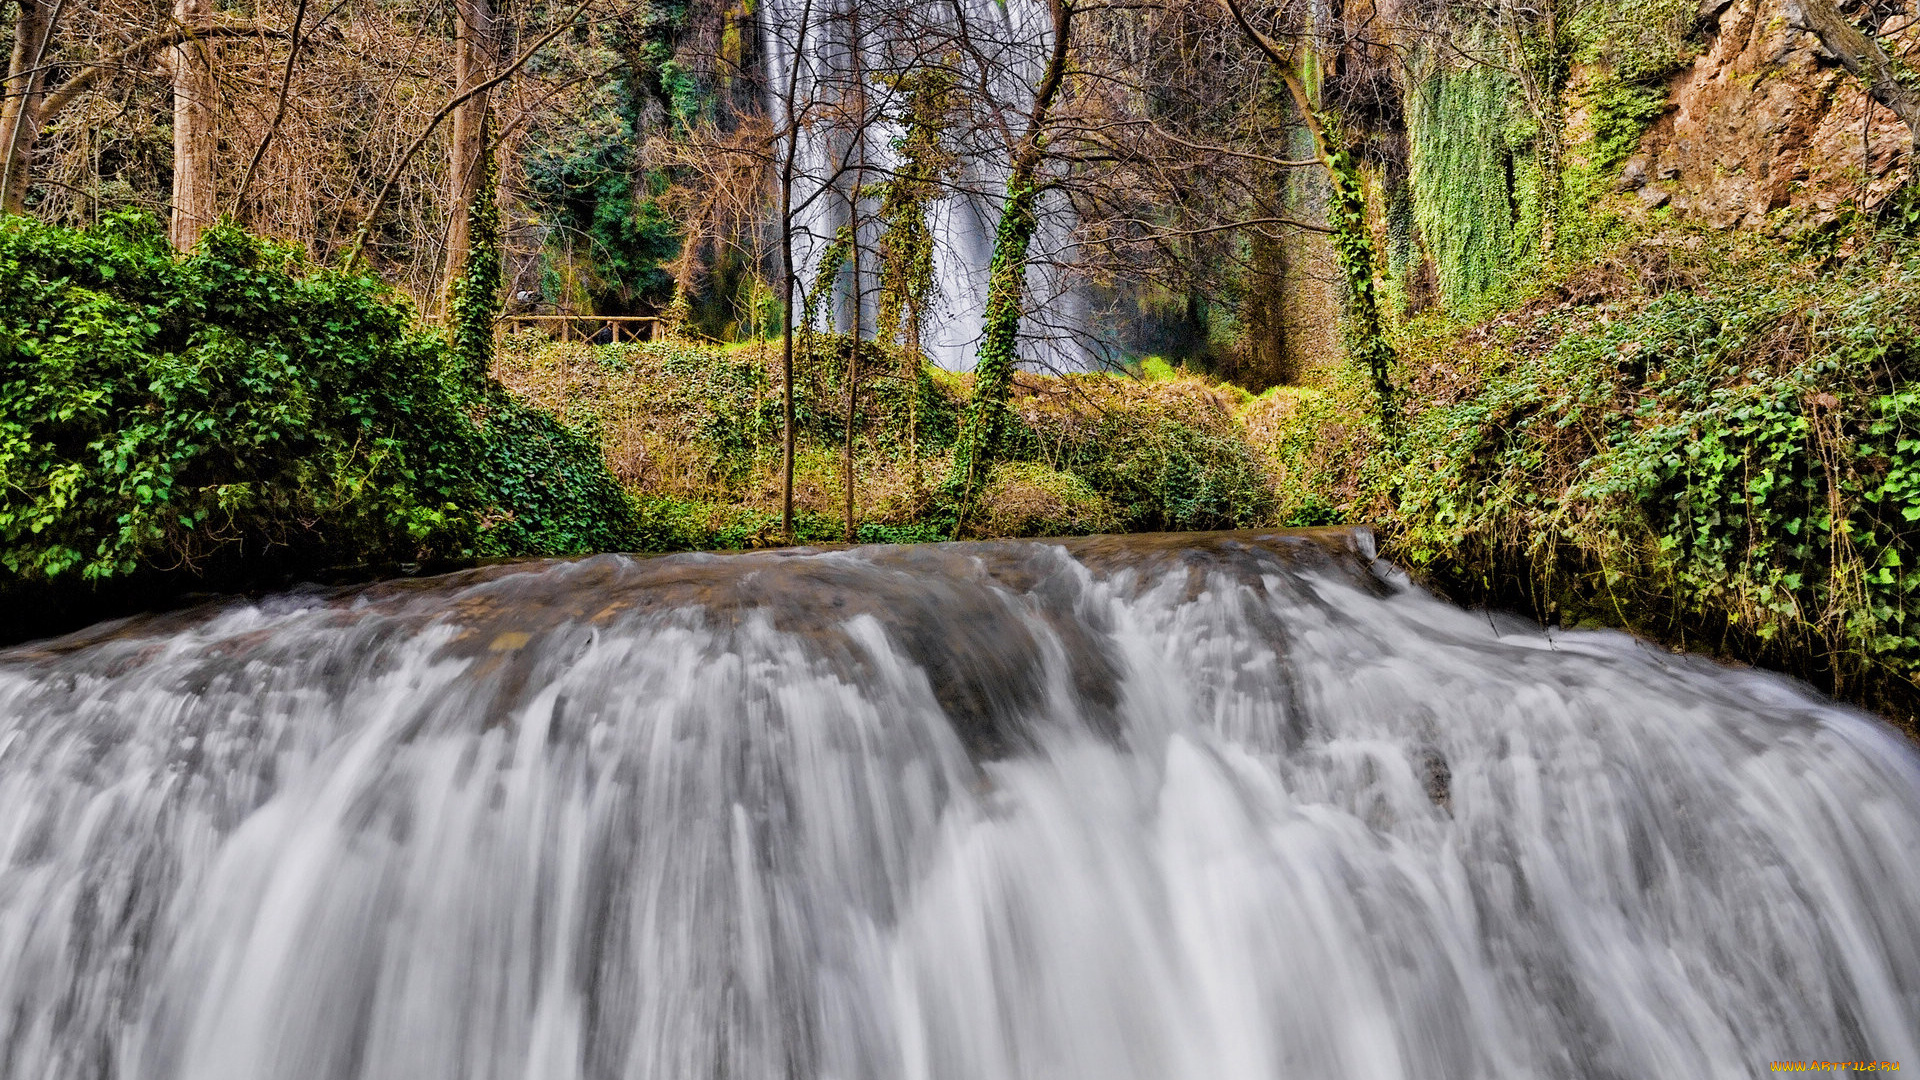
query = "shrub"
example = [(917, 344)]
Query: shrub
[(1725, 455), (237, 411), (694, 432)]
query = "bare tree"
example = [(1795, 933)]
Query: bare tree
[(793, 108), (30, 105), (26, 77)]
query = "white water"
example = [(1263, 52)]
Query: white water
[(1238, 810)]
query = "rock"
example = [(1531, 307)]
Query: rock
[(1436, 776), (1761, 122), (1633, 177)]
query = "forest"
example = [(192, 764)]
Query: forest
[(1600, 310)]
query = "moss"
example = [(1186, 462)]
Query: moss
[(1156, 369)]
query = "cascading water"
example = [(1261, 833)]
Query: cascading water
[(1208, 807), (820, 53)]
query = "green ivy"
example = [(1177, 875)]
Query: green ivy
[(194, 417), (1735, 466), (985, 421), (1366, 334), (475, 304), (1462, 180)]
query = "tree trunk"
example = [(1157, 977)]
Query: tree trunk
[(853, 224), (19, 122), (853, 380), (192, 70), (472, 38), (1859, 53), (1347, 214), (474, 307), (790, 276), (1551, 191), (986, 417)]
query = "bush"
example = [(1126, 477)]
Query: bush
[(238, 412), (694, 432), (1728, 458)]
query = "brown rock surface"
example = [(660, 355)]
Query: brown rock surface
[(1766, 120)]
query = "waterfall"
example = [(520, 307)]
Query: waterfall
[(996, 49), (1213, 806)]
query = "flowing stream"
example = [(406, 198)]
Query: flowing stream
[(1209, 807)]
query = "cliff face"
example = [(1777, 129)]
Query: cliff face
[(1767, 120)]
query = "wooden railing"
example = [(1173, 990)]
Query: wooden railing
[(597, 329)]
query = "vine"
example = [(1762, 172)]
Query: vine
[(984, 423), (1462, 191), (475, 304), (906, 245), (832, 261), (1367, 343)]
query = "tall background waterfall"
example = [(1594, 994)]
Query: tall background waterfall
[(1200, 807), (996, 48)]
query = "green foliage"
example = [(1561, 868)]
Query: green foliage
[(610, 222), (873, 532), (669, 523), (1735, 465), (1156, 369), (1495, 192), (613, 237), (1462, 181), (1366, 334), (1639, 41), (986, 418), (475, 304), (239, 408), (906, 245), (819, 297), (1620, 111), (1157, 470), (701, 426)]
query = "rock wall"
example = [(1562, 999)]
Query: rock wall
[(1766, 120)]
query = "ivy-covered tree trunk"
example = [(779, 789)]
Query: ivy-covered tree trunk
[(985, 419), (1346, 215), (1550, 145), (1353, 248), (474, 305), (906, 247)]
